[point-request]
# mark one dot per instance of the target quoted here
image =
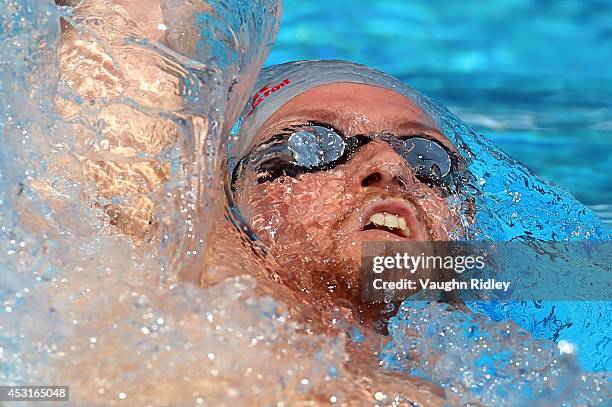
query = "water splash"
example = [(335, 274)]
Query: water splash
[(483, 363)]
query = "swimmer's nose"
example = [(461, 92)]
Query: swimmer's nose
[(378, 165)]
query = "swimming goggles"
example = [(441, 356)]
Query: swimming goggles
[(316, 147)]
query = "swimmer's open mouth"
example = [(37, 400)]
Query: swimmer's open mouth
[(388, 222), (391, 216)]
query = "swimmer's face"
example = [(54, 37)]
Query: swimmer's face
[(314, 222)]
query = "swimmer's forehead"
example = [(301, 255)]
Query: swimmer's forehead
[(353, 109)]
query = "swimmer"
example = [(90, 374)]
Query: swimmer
[(383, 191), (311, 220), (330, 154)]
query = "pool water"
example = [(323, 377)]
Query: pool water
[(531, 75), (77, 295)]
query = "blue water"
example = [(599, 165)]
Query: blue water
[(531, 75), (497, 364)]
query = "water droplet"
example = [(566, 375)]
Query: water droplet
[(380, 396), (566, 347)]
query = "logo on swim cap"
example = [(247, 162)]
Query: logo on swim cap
[(264, 92)]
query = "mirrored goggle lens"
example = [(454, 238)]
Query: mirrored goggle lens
[(426, 157), (315, 147)]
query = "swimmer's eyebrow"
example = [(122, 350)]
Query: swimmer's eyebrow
[(320, 114), (410, 127), (337, 120)]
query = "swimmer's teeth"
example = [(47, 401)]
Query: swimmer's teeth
[(402, 224), (390, 221), (378, 219)]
